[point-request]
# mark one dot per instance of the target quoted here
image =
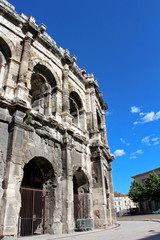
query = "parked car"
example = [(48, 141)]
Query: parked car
[(156, 211)]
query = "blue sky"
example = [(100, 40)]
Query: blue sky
[(119, 42)]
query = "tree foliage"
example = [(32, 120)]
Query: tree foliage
[(136, 191), (150, 190), (152, 187)]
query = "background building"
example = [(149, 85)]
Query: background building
[(123, 203), (55, 162), (147, 206)]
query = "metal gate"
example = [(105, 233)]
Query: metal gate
[(33, 216), (78, 206)]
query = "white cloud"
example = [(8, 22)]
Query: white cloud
[(108, 113), (137, 152), (146, 140), (151, 141), (148, 117), (133, 157), (135, 109), (156, 141), (119, 153), (124, 142)]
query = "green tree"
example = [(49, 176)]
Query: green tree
[(152, 187), (136, 191)]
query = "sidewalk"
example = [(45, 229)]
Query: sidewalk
[(145, 217), (65, 236)]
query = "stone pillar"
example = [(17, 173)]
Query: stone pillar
[(99, 195), (57, 104), (11, 200), (13, 176), (82, 120), (65, 97), (94, 112), (112, 210), (25, 58), (66, 117), (67, 186), (104, 130), (89, 110), (48, 105), (21, 91)]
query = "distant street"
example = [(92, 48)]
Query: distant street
[(128, 230), (140, 217), (142, 227)]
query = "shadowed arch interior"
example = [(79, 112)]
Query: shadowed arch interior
[(5, 56), (43, 89), (81, 195), (75, 107), (37, 194), (37, 172)]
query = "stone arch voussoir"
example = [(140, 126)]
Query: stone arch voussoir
[(10, 44), (34, 61)]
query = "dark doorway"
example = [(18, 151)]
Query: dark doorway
[(81, 194), (33, 216), (36, 192)]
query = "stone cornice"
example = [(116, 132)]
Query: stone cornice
[(28, 24)]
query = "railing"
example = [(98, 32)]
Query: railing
[(84, 224)]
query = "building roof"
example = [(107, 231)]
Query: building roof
[(117, 194), (156, 169)]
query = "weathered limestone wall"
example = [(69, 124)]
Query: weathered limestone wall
[(53, 132)]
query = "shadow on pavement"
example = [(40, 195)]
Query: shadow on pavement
[(153, 237)]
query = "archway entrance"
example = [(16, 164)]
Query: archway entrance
[(81, 195), (36, 193)]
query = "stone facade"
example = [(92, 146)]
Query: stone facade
[(55, 163)]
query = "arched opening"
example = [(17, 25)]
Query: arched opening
[(43, 90), (81, 195), (37, 197), (75, 108), (107, 193), (5, 55), (100, 128), (99, 122)]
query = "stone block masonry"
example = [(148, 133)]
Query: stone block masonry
[(55, 162)]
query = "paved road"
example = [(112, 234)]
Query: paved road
[(128, 230)]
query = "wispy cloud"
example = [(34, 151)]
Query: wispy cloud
[(133, 157), (124, 142), (149, 141), (137, 152), (146, 140), (135, 109), (148, 117), (119, 153), (108, 113), (156, 141)]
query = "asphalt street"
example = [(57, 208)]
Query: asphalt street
[(144, 227)]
